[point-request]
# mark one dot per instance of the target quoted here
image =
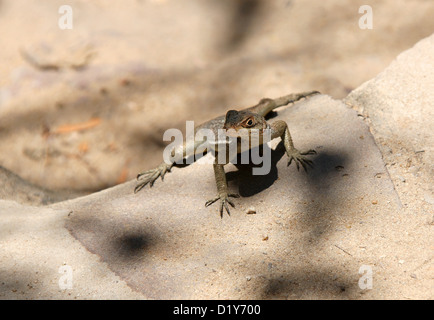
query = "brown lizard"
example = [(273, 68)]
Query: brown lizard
[(249, 119)]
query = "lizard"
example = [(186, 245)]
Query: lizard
[(249, 118)]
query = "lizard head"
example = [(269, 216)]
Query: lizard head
[(237, 120)]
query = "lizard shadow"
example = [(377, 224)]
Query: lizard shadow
[(249, 183)]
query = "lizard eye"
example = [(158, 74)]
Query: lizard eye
[(249, 122)]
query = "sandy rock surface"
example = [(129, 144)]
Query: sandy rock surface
[(308, 238), (35, 251), (399, 108), (366, 206)]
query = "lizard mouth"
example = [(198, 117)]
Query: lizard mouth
[(242, 132)]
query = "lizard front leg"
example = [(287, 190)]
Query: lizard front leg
[(222, 189), (280, 129), (178, 153), (151, 175)]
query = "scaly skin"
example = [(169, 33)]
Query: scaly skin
[(250, 118)]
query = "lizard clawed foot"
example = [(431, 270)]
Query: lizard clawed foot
[(299, 158), (224, 198), (151, 175)]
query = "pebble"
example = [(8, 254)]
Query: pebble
[(251, 210)]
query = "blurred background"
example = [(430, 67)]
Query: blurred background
[(84, 109)]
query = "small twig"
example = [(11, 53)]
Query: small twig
[(81, 63), (343, 250), (67, 128), (37, 64)]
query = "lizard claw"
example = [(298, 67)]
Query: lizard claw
[(224, 198), (299, 159), (151, 175)]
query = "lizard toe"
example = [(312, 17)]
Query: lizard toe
[(224, 202)]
